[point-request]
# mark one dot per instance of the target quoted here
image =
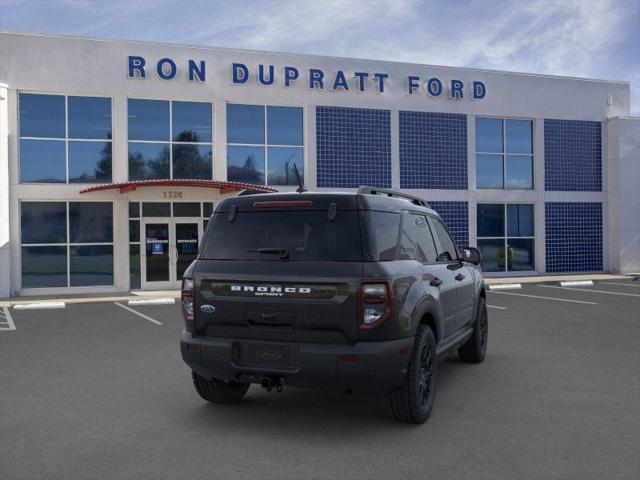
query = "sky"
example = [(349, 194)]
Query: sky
[(579, 38)]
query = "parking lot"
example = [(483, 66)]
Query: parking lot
[(100, 391)]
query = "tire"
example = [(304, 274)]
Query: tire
[(217, 391), (475, 349), (412, 401)]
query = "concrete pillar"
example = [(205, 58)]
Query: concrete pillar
[(623, 206), (5, 250)]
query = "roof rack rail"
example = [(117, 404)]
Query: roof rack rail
[(394, 194)]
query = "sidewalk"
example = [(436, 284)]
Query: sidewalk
[(175, 294)]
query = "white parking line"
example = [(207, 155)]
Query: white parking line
[(591, 290), (8, 320), (545, 298), (39, 305), (152, 301), (622, 284), (496, 306), (138, 313)]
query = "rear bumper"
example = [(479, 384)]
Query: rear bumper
[(375, 367)]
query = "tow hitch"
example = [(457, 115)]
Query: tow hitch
[(269, 383)]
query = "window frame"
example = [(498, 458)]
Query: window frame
[(436, 239), (504, 154), (66, 139), (67, 244), (170, 142), (266, 145), (506, 236)]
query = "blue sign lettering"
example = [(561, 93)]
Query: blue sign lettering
[(433, 87), (162, 72), (479, 90), (196, 72), (316, 77), (455, 90), (340, 81), (136, 64), (240, 73), (261, 79), (290, 74), (362, 77), (381, 77)]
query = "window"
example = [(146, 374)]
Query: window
[(66, 244), (504, 153), (506, 237), (264, 144), (417, 231), (134, 246), (65, 139), (170, 139), (447, 250)]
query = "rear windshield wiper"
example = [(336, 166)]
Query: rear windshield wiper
[(283, 252)]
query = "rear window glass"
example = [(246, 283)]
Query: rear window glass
[(303, 235)]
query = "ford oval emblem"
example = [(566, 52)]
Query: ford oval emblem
[(207, 308)]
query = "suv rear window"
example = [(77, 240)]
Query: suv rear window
[(304, 235)]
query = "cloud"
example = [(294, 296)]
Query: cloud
[(589, 38)]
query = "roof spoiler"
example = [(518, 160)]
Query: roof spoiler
[(394, 194)]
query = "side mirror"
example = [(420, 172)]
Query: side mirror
[(471, 255)]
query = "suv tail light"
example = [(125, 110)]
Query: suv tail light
[(187, 303), (374, 304)]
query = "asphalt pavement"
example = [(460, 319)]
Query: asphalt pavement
[(97, 391)]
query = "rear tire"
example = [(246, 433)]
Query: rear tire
[(475, 349), (217, 391), (412, 401)]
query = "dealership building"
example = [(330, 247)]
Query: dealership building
[(113, 155)]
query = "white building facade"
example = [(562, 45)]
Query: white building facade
[(113, 155)]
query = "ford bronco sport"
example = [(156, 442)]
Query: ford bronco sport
[(358, 291)]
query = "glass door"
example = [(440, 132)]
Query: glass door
[(156, 259), (187, 234)]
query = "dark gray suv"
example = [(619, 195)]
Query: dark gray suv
[(357, 291)]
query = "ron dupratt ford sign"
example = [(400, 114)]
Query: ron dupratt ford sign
[(314, 78)]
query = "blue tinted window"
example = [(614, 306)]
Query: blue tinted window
[(245, 164), (91, 265), (89, 162), (520, 220), (134, 230), (191, 122), (43, 222), (489, 171), (44, 267), (134, 210), (520, 171), (519, 136), (90, 222), (42, 161), (489, 135), (207, 209), (156, 209), (490, 220), (186, 209), (245, 124), (148, 120), (89, 117), (281, 162), (192, 161), (520, 254), (41, 115), (284, 126), (148, 161), (493, 257)]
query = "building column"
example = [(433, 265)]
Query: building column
[(623, 194), (5, 244)]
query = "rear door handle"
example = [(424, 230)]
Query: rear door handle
[(459, 277), (435, 282)]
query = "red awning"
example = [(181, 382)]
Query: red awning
[(224, 187)]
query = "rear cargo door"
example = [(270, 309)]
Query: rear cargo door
[(280, 274)]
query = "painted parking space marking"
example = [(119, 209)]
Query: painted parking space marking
[(591, 290), (621, 284), (153, 301), (497, 307), (138, 313), (506, 286), (6, 322), (545, 298)]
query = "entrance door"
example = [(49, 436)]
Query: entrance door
[(170, 245), (187, 234)]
